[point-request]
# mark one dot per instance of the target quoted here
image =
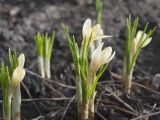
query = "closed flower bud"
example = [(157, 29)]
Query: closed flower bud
[(99, 58), (19, 72), (21, 60), (136, 41)]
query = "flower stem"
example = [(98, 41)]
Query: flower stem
[(98, 42), (6, 105), (92, 47), (84, 111), (91, 107), (128, 81), (47, 68), (41, 66), (79, 97), (16, 104)]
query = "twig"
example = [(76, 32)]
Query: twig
[(144, 87), (64, 113), (46, 99), (144, 116), (100, 115), (124, 103), (53, 89), (152, 107), (45, 82), (99, 99), (120, 100), (51, 81), (27, 91), (134, 83), (117, 76), (143, 71), (152, 110), (118, 108), (124, 110), (112, 81), (37, 118)]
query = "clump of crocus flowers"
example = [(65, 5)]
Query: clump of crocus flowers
[(10, 79), (134, 44), (88, 74)]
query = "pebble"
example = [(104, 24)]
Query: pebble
[(156, 81)]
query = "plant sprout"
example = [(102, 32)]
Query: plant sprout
[(99, 11), (5, 85), (88, 74), (134, 44), (10, 78), (44, 45), (99, 18)]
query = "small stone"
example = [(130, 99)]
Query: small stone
[(14, 11), (156, 82)]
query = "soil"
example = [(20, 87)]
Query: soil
[(20, 20)]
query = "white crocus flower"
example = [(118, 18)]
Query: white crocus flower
[(96, 31), (19, 72), (136, 41), (99, 58)]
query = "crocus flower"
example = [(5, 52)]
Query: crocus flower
[(136, 41), (96, 31), (99, 58), (19, 72)]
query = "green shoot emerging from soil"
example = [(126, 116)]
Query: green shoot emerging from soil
[(99, 18), (5, 85), (44, 45), (10, 78), (88, 74), (99, 11), (134, 44)]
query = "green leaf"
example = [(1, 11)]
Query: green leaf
[(99, 11), (128, 42), (84, 85), (4, 76), (48, 45), (39, 40), (96, 78), (13, 61), (131, 32), (74, 49)]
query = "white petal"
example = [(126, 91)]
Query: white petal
[(101, 37), (146, 42), (97, 30), (107, 36), (97, 50), (21, 60), (144, 37), (111, 57), (18, 76), (96, 56), (139, 34), (97, 33), (86, 28), (106, 53), (134, 45)]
